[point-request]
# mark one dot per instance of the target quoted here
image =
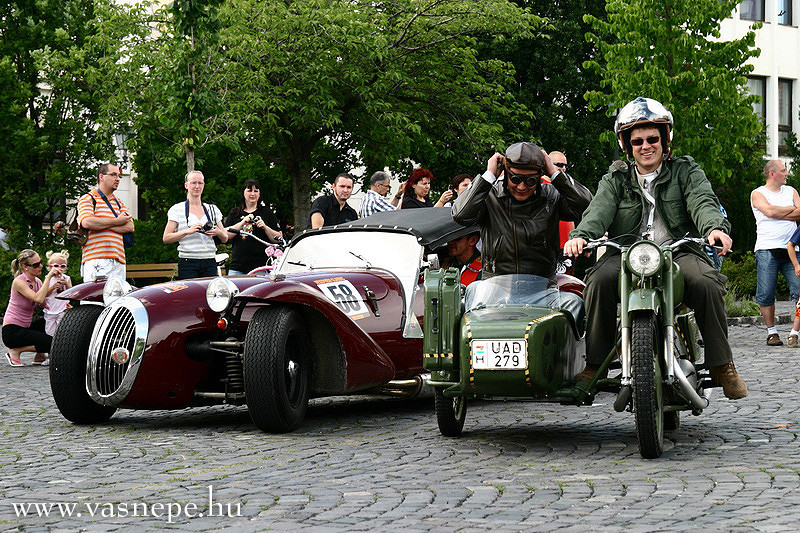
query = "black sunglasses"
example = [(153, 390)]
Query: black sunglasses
[(560, 165), (34, 265), (530, 179), (650, 140)]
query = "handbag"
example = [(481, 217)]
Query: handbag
[(77, 234)]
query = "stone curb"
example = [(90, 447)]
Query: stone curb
[(757, 320)]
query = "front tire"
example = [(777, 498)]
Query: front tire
[(648, 394), (68, 356), (450, 413), (277, 369)]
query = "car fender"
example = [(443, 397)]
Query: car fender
[(91, 291), (366, 363)]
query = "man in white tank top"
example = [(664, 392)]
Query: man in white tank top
[(776, 207)]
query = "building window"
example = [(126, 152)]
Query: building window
[(784, 113), (758, 87), (785, 12), (752, 10)]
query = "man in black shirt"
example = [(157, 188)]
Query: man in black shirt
[(332, 209)]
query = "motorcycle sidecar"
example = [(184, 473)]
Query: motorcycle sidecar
[(516, 337)]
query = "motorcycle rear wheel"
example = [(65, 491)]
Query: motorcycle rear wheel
[(648, 394)]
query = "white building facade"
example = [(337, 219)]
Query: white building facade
[(777, 70)]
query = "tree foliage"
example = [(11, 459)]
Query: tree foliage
[(671, 50), (318, 87), (551, 80), (49, 103)]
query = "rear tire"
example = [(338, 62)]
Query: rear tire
[(277, 369), (68, 357), (648, 394), (450, 413)]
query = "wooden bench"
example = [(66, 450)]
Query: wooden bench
[(152, 271)]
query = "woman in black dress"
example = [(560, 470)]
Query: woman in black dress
[(254, 216)]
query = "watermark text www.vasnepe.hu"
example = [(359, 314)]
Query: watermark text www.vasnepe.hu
[(172, 511)]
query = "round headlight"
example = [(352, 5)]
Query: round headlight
[(115, 288), (219, 294), (644, 258)]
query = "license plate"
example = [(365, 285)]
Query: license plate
[(500, 354)]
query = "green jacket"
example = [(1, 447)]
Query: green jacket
[(684, 198)]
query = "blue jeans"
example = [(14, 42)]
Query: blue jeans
[(196, 268), (768, 264)]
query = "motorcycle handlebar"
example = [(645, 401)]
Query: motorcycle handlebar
[(596, 243)]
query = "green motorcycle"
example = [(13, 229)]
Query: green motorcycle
[(521, 336)]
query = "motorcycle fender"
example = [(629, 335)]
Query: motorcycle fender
[(644, 300)]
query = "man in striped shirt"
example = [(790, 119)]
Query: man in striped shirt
[(374, 201), (107, 218)]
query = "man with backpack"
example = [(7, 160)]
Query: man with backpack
[(106, 218)]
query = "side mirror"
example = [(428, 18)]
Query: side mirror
[(433, 262)]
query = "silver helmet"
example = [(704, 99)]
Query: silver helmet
[(640, 112)]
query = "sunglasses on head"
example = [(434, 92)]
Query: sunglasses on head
[(650, 140), (530, 179), (34, 265)]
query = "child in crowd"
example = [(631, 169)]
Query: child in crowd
[(55, 308)]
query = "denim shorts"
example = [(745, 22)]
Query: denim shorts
[(768, 264)]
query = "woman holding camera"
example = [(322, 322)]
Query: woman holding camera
[(194, 226), (253, 216)]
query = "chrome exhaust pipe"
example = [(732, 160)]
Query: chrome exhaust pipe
[(697, 401), (415, 387)]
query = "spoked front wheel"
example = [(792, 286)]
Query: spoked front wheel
[(648, 393), (450, 413)]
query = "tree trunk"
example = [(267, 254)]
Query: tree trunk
[(189, 150), (301, 196)]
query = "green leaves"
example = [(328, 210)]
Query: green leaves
[(668, 50)]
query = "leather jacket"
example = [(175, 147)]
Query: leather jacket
[(520, 237)]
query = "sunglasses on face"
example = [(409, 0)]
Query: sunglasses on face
[(530, 179), (35, 265), (560, 165), (650, 140), (57, 265)]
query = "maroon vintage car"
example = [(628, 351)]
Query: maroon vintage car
[(340, 314)]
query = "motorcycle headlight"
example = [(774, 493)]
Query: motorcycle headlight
[(644, 258), (115, 288), (219, 294)]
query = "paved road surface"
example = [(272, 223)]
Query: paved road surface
[(365, 464)]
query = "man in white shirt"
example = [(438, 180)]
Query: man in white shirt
[(776, 208)]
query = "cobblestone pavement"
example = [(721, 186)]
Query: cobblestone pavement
[(366, 464)]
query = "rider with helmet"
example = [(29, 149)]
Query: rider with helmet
[(518, 214), (664, 198)]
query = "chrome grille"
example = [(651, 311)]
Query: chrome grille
[(115, 351)]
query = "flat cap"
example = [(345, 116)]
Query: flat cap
[(525, 155)]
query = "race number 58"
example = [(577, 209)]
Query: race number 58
[(345, 296)]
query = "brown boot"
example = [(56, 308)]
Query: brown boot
[(732, 383), (588, 373)]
